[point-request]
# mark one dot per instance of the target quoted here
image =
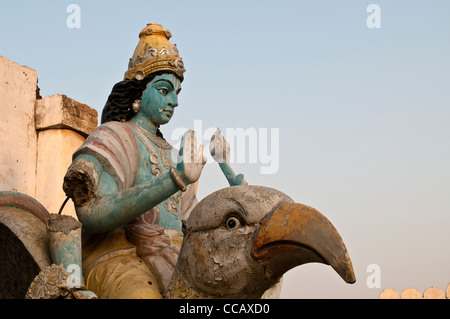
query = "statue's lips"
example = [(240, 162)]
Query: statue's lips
[(295, 234), (168, 113)]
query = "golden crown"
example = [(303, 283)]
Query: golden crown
[(154, 53)]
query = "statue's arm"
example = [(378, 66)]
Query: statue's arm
[(108, 207), (111, 208), (220, 151)]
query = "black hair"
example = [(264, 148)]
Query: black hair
[(118, 107)]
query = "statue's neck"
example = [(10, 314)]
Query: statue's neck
[(145, 123)]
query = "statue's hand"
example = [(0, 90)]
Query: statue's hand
[(190, 161), (220, 151), (219, 148)]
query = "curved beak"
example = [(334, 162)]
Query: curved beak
[(295, 234)]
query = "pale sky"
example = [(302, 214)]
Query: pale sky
[(362, 114)]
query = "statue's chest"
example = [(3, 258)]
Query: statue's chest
[(154, 161)]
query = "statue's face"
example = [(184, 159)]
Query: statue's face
[(160, 98)]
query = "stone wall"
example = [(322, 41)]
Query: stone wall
[(38, 136), (18, 136), (412, 293)]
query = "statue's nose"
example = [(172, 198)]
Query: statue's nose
[(173, 102)]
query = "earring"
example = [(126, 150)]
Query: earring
[(136, 106)]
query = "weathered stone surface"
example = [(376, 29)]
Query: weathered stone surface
[(62, 223), (18, 136), (55, 149), (30, 230), (50, 283), (38, 136), (60, 111)]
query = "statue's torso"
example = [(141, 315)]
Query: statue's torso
[(150, 167)]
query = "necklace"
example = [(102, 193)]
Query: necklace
[(159, 142)]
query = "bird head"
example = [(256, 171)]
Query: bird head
[(240, 240)]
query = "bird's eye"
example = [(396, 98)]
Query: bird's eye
[(232, 223), (163, 91)]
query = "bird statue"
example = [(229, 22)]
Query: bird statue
[(238, 242)]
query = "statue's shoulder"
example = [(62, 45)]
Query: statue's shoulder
[(114, 146), (110, 139), (113, 132)]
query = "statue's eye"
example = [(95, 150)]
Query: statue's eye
[(232, 223), (163, 91)]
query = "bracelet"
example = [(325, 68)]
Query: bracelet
[(177, 180)]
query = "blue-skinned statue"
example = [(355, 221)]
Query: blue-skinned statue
[(130, 188), (140, 232)]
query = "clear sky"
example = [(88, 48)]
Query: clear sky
[(357, 118)]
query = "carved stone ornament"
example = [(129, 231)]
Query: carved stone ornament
[(51, 283)]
